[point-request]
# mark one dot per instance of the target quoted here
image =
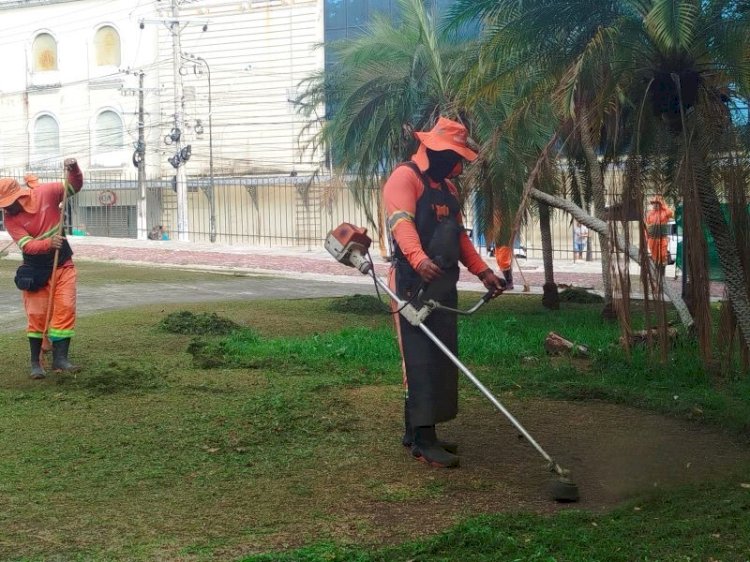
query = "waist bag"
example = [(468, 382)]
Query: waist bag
[(35, 271), (32, 278)]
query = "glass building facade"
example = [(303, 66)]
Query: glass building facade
[(348, 18)]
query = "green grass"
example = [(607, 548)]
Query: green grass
[(288, 440), (504, 345)]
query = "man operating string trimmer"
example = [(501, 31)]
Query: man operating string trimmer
[(424, 219), (47, 276)]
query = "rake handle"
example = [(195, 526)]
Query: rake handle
[(53, 279)]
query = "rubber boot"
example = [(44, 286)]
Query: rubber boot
[(37, 371), (408, 439), (60, 356), (508, 274), (427, 450)]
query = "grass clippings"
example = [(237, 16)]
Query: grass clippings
[(359, 304), (580, 296), (202, 324)]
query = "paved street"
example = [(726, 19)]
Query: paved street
[(270, 273)]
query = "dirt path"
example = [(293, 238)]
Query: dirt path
[(614, 453)]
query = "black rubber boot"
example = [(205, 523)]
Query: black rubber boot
[(427, 450), (60, 357), (408, 439), (508, 274), (37, 371)]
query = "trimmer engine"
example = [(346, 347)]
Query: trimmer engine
[(349, 244)]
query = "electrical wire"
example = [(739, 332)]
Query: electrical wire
[(377, 288)]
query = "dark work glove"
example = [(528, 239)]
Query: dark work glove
[(492, 282), (428, 270)]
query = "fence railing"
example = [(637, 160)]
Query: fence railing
[(256, 210)]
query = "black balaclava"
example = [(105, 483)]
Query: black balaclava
[(442, 163), (14, 208)]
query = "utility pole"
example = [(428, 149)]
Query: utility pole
[(140, 160), (210, 192), (180, 177)]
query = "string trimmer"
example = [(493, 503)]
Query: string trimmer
[(349, 245)]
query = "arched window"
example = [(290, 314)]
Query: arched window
[(46, 138), (109, 132), (44, 53), (107, 46)]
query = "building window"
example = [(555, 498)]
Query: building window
[(44, 53), (107, 46), (109, 133), (46, 138)]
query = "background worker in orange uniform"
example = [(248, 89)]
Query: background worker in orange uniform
[(32, 218), (657, 231), (504, 259), (425, 222), (499, 233)]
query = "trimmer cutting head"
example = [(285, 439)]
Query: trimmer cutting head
[(563, 490)]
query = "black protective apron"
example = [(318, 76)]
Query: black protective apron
[(432, 379)]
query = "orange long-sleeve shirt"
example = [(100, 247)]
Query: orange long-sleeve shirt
[(33, 228), (400, 195)]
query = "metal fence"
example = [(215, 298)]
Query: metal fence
[(257, 210)]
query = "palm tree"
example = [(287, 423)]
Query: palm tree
[(661, 71), (391, 80)]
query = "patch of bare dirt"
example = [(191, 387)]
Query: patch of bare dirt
[(613, 452)]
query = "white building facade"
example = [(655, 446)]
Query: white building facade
[(71, 88)]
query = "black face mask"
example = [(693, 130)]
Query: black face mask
[(442, 163), (14, 208)]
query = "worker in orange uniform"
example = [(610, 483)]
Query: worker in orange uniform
[(429, 240), (657, 231), (32, 218), (500, 232), (504, 259)]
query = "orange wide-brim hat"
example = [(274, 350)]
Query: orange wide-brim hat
[(445, 135), (10, 192)]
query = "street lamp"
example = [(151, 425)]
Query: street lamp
[(210, 192)]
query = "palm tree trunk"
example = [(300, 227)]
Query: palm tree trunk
[(601, 228), (729, 258), (599, 197), (551, 298)]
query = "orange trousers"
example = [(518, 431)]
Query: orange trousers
[(657, 247), (63, 321), (504, 257)]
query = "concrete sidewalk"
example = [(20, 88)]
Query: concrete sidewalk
[(315, 264)]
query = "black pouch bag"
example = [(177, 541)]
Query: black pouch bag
[(32, 278), (35, 271)]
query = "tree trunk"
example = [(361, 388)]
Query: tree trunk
[(601, 228), (729, 258), (551, 298), (599, 197)]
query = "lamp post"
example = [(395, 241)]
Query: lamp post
[(210, 192)]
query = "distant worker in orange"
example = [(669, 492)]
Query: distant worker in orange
[(657, 231), (32, 218), (504, 259), (503, 254)]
